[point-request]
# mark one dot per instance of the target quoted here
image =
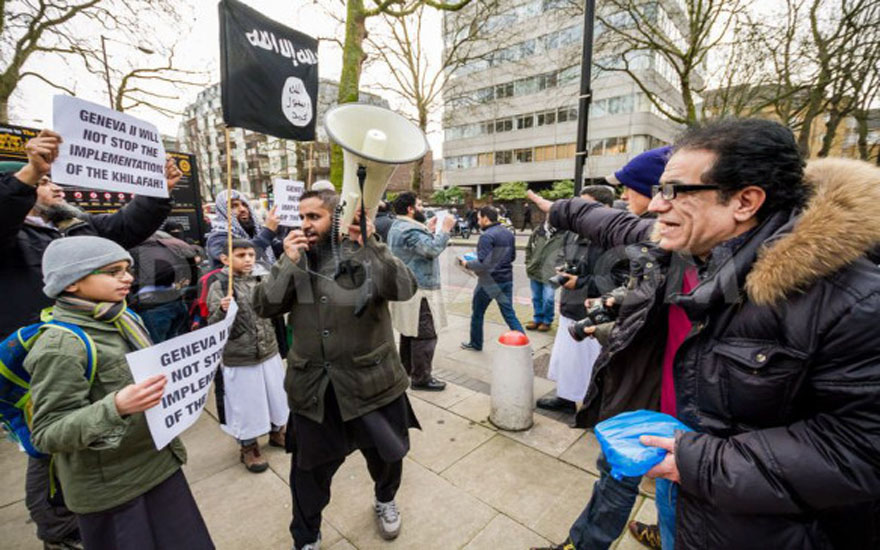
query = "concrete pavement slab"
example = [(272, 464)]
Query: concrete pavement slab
[(444, 438), (519, 481), (546, 435), (555, 521), (12, 473), (436, 514), (445, 399), (475, 408), (17, 530), (245, 510), (209, 449), (504, 533), (583, 453)]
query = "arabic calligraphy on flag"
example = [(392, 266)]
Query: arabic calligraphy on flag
[(268, 76)]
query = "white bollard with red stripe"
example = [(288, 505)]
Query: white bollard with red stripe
[(513, 399)]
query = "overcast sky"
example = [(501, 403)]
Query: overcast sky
[(198, 49)]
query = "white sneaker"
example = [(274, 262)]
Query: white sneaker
[(388, 519)]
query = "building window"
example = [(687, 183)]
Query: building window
[(546, 118), (525, 122), (616, 145), (504, 125), (548, 152), (523, 155), (565, 151), (567, 114), (503, 157), (485, 159), (504, 90)]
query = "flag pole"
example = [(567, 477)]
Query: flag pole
[(311, 161), (228, 210)]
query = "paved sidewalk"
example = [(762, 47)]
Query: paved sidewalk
[(466, 485)]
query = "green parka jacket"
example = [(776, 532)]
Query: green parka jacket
[(330, 343), (251, 339), (102, 460)]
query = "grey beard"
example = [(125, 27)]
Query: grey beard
[(58, 213)]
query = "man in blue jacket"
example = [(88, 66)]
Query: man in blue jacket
[(419, 246), (496, 251)]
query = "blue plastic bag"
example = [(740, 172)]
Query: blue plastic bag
[(619, 438)]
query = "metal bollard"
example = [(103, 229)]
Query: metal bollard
[(513, 399)]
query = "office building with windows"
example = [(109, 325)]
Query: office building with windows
[(511, 113)]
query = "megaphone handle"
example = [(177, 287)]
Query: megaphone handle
[(362, 176)]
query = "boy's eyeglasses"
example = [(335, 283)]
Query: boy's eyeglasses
[(670, 190), (115, 272)]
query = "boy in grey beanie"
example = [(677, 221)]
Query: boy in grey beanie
[(95, 429), (68, 260)]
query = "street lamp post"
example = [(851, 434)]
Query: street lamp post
[(585, 97), (107, 71), (107, 65)]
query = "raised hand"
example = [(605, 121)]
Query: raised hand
[(41, 152), (272, 220), (172, 172)]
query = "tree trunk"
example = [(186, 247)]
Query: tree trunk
[(861, 119), (352, 62), (4, 110), (418, 166), (834, 120), (813, 108)]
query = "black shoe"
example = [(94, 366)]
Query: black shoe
[(557, 404), (431, 384), (468, 345)]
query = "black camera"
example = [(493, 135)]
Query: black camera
[(596, 315), (560, 279)]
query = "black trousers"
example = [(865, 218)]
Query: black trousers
[(54, 522), (164, 518), (311, 491), (417, 353)]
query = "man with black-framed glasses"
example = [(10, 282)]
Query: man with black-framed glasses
[(751, 317)]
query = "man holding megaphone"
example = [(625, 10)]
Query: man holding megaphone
[(345, 383)]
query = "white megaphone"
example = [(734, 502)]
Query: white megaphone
[(377, 139)]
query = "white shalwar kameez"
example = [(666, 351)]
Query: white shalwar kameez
[(571, 362), (254, 398)]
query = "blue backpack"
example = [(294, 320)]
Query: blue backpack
[(16, 408)]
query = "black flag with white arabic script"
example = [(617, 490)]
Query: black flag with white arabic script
[(268, 74)]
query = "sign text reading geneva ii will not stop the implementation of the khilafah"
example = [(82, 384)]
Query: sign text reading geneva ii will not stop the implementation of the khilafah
[(106, 149), (189, 363)]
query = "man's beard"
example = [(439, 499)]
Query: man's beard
[(419, 216), (248, 225), (58, 212)]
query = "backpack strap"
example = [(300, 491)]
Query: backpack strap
[(88, 344)]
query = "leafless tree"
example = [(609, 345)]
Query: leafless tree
[(32, 29), (635, 35)]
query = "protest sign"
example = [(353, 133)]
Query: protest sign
[(441, 217), (106, 149), (268, 74), (189, 363), (287, 194)]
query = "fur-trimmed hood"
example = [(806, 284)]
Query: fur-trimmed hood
[(840, 224)]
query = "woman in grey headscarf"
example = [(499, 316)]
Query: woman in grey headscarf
[(244, 226)]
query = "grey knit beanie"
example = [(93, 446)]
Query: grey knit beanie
[(68, 260)]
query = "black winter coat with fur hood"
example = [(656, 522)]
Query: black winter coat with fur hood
[(779, 377)]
